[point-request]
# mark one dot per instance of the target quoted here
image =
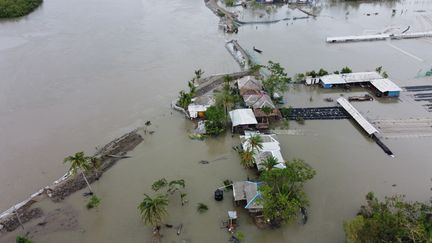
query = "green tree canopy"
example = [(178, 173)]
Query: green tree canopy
[(184, 99), (215, 123), (277, 81), (282, 191), (390, 220)]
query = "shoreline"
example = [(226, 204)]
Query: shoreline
[(109, 154)]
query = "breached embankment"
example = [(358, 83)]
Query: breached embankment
[(68, 183)]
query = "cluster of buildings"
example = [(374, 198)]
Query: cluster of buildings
[(380, 86), (259, 109)]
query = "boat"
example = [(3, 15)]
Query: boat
[(257, 50)]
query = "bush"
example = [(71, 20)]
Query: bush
[(21, 239), (202, 208), (94, 202), (17, 8)]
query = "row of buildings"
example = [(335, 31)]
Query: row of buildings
[(380, 86)]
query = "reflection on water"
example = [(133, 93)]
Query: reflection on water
[(74, 77)]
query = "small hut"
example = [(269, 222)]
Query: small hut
[(246, 194), (243, 119), (199, 106)]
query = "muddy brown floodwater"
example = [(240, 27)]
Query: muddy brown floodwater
[(76, 74)]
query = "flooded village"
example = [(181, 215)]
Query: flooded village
[(267, 121)]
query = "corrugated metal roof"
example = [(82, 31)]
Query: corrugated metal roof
[(249, 82), (385, 85), (258, 100), (332, 79), (242, 117), (361, 77), (357, 116)]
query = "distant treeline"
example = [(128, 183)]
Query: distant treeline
[(17, 8)]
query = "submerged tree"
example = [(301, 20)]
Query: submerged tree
[(277, 81), (346, 70), (198, 74), (80, 163), (322, 72), (184, 99), (153, 210), (390, 220), (282, 193), (215, 123), (159, 184)]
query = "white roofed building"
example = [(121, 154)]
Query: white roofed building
[(242, 119)]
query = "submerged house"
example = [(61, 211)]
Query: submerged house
[(246, 194), (270, 147), (259, 101), (199, 106), (242, 119), (249, 85)]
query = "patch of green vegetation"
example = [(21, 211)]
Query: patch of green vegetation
[(215, 120), (202, 208), (229, 3), (286, 111), (240, 236), (17, 8), (346, 70), (93, 202), (22, 239), (390, 220)]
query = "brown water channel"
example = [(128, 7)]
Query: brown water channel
[(74, 75)]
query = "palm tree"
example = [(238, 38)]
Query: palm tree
[(153, 210), (225, 98), (255, 143), (80, 162), (269, 162), (247, 158), (198, 73)]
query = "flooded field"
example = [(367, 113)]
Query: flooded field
[(74, 75)]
